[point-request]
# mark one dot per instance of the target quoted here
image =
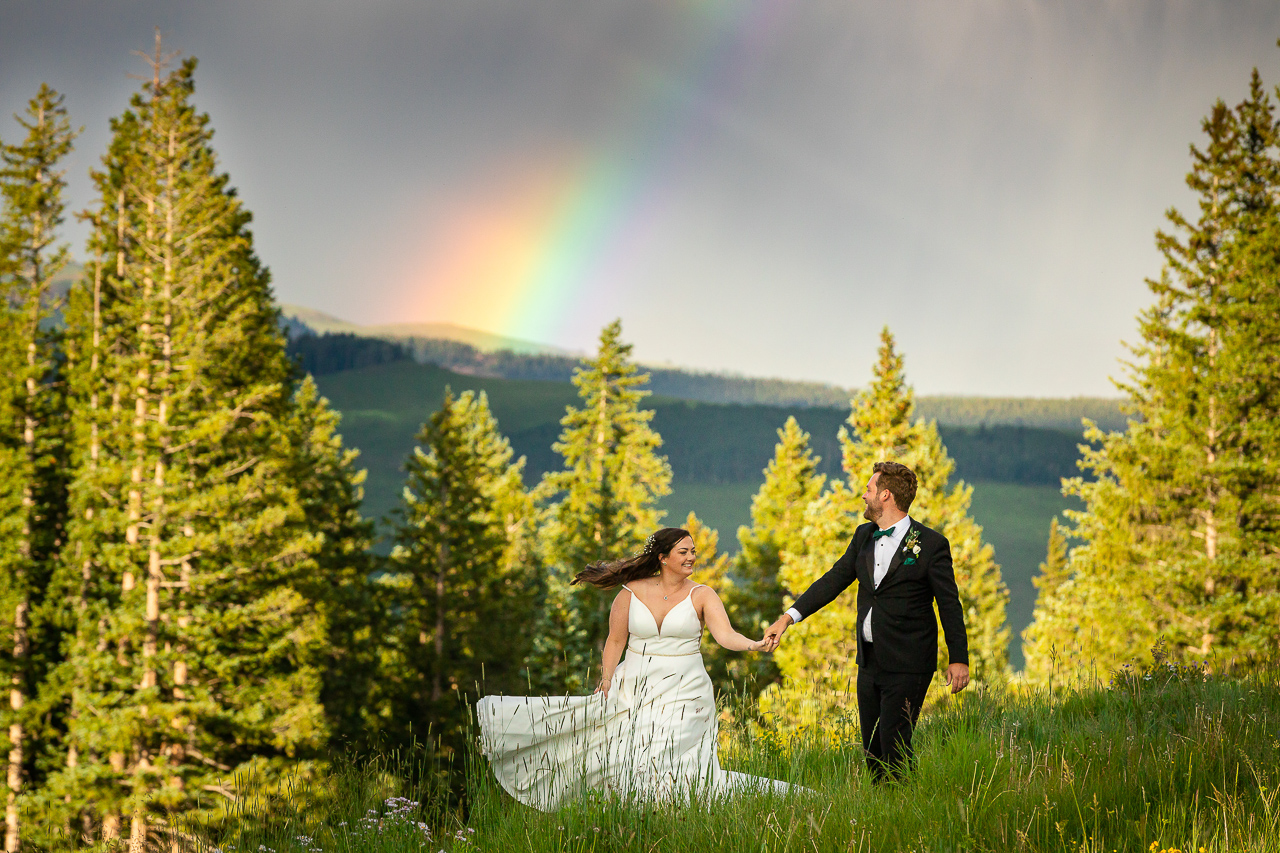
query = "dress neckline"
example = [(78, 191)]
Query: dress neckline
[(649, 610)]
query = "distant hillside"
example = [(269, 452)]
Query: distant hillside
[(302, 318), (339, 349), (475, 353), (1047, 413), (671, 382), (727, 443), (64, 279), (334, 352)]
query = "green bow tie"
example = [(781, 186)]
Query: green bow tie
[(878, 533)]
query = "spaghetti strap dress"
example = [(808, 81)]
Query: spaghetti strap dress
[(652, 738)]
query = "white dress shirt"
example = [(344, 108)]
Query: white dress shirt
[(885, 548)]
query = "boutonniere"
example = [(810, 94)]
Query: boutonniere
[(912, 547)]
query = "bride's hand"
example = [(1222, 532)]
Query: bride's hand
[(759, 645), (604, 688)]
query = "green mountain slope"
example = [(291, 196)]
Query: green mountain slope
[(717, 453)]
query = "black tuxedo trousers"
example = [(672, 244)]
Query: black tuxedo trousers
[(888, 707)]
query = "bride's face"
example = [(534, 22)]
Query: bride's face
[(681, 558)]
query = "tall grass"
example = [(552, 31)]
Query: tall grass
[(1159, 759)]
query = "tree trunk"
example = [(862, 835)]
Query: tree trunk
[(17, 737), (138, 833)]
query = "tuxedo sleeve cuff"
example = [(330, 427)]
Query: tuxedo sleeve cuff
[(794, 614)]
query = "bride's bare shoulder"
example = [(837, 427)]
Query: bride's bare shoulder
[(702, 594)]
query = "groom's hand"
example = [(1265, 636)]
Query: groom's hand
[(957, 677), (773, 637)]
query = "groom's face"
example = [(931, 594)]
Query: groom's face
[(871, 497)]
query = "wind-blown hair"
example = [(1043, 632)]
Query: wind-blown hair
[(607, 574)]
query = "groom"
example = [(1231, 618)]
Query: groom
[(902, 568)]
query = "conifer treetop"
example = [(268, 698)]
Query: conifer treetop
[(31, 186), (791, 481), (612, 475)]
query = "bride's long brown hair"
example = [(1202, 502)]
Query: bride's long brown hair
[(607, 574)]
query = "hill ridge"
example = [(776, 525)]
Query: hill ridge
[(300, 317), (342, 349)]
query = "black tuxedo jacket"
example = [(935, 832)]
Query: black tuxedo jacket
[(902, 620)]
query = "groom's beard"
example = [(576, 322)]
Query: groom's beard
[(873, 511)]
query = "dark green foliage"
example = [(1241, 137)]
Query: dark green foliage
[(463, 575), (1031, 456), (341, 584), (503, 363), (334, 352)]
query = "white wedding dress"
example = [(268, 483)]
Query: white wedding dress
[(652, 738)]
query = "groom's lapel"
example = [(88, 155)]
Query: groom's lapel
[(901, 553), (867, 563)]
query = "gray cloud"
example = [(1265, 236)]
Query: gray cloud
[(984, 177)]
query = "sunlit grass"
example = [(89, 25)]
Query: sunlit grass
[(1161, 760)]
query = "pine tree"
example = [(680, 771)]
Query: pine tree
[(191, 653), (602, 505), (31, 411), (822, 650), (1181, 527), (754, 596), (817, 659), (1054, 572), (330, 490), (463, 521)]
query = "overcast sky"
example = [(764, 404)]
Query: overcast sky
[(750, 186)]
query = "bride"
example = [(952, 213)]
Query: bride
[(649, 730)]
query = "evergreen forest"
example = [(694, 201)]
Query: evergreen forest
[(204, 614)]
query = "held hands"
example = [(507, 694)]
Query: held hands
[(957, 677), (773, 637)]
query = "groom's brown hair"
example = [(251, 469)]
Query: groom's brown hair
[(899, 480)]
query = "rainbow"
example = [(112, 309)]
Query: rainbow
[(528, 252)]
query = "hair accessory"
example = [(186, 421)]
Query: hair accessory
[(648, 544)]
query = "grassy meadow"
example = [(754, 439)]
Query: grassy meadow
[(1162, 758)]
